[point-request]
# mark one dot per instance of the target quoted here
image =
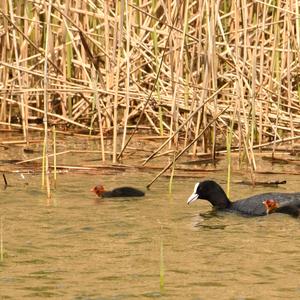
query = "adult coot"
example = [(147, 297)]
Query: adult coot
[(118, 192), (209, 190), (273, 206)]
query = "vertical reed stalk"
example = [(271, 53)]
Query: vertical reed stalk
[(96, 100), (298, 40), (253, 95), (44, 162), (289, 60), (172, 46), (276, 69), (4, 75), (156, 67), (69, 71), (68, 57), (128, 13), (108, 63), (118, 69), (54, 156), (261, 72), (16, 53), (212, 60), (48, 22), (228, 147)]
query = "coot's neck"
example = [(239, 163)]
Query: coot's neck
[(219, 199)]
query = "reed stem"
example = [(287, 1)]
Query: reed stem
[(54, 156), (118, 67), (228, 146), (46, 99), (44, 162)]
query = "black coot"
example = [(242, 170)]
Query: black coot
[(209, 190), (118, 192)]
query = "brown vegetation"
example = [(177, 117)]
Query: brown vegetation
[(173, 67)]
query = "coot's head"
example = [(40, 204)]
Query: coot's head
[(98, 190), (209, 190), (270, 205)]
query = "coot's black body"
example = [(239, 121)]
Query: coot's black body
[(209, 190), (124, 191)]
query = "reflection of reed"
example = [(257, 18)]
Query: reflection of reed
[(1, 238), (161, 260)]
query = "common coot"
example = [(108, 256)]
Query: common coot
[(118, 192), (211, 191), (273, 206)]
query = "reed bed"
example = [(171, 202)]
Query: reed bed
[(189, 71)]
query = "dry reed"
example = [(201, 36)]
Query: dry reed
[(160, 64)]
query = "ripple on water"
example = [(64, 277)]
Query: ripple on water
[(78, 247)]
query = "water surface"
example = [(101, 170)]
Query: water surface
[(76, 246)]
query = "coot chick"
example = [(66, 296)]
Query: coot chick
[(209, 190), (273, 206), (118, 192)]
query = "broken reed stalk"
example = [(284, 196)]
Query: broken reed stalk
[(186, 148), (55, 116), (192, 114), (47, 41)]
